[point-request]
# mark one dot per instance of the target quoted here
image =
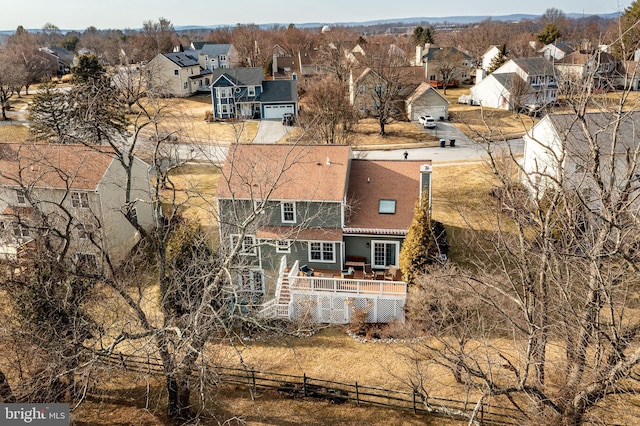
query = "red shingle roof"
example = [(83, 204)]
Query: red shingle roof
[(285, 172), (54, 166), (372, 181)]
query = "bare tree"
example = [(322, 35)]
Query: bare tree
[(558, 276)]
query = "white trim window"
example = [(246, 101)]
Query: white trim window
[(21, 197), (283, 246), (248, 244), (288, 212), (384, 253), (224, 92), (322, 252), (21, 231), (251, 90), (80, 200), (84, 231)]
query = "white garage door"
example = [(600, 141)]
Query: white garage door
[(434, 111), (277, 111)]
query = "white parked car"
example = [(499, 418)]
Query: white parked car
[(427, 121)]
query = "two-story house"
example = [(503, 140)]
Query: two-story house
[(243, 93), (519, 84), (316, 224), (212, 56), (597, 68), (177, 74), (70, 196), (560, 150), (444, 65)]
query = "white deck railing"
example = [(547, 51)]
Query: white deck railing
[(351, 286)]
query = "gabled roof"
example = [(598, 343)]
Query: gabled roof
[(601, 127), (279, 91), (372, 181), (285, 172), (181, 59), (422, 89), (582, 58), (534, 66), (54, 166), (215, 49), (508, 79), (561, 46), (239, 76), (433, 52)]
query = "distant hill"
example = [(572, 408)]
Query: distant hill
[(404, 21)]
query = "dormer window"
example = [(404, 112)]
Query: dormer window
[(387, 207), (80, 200), (288, 212), (251, 91)]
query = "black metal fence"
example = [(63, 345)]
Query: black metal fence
[(337, 392)]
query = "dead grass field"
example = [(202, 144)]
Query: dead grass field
[(13, 133), (196, 186)]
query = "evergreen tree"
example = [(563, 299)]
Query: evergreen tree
[(499, 59), (89, 68), (550, 34), (49, 113), (424, 244), (422, 35), (630, 26)]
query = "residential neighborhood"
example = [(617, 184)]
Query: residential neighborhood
[(391, 221)]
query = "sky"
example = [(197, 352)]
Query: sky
[(121, 14)]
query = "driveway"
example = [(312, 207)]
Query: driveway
[(271, 131)]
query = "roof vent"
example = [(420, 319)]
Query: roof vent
[(328, 163)]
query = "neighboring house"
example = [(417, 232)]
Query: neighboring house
[(444, 63), (317, 206), (243, 93), (70, 187), (629, 76), (556, 150), (555, 51), (177, 74), (523, 83), (213, 56), (488, 56), (303, 63), (427, 100), (367, 91), (62, 58), (599, 67)]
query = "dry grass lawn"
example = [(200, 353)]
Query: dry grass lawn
[(186, 119), (13, 133), (196, 186)]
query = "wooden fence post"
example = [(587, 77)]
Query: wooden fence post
[(357, 395), (253, 378), (304, 384)]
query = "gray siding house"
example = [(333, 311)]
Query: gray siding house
[(313, 222)]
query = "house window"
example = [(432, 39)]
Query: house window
[(248, 244), (288, 212), (251, 91), (176, 72), (80, 200), (223, 57), (87, 262), (21, 197), (186, 85), (322, 252), (223, 92), (21, 231), (250, 280), (384, 253), (432, 77), (84, 231), (225, 109), (283, 246), (387, 207)]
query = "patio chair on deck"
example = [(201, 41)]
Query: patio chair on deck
[(306, 270), (391, 273), (368, 272)]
